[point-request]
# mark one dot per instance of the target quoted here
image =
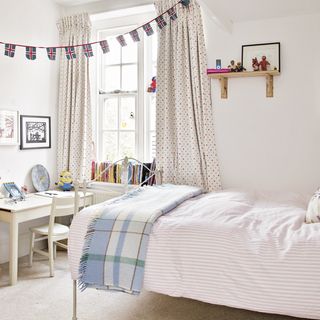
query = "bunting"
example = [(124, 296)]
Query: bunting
[(122, 40), (31, 53), (104, 46), (173, 14), (161, 22), (134, 35), (70, 53), (10, 50), (87, 49), (52, 53), (148, 29)]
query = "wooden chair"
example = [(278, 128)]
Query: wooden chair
[(53, 232)]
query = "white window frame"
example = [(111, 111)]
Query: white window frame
[(141, 114)]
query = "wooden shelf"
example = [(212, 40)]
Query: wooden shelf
[(223, 77)]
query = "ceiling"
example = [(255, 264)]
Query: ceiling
[(232, 10)]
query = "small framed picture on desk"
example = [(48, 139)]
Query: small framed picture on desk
[(13, 191)]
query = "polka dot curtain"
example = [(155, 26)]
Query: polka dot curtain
[(74, 119), (186, 148)]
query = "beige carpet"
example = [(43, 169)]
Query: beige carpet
[(36, 296)]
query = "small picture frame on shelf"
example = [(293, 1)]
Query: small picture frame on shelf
[(35, 132), (9, 127), (261, 57)]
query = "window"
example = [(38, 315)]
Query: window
[(125, 121), (118, 102)]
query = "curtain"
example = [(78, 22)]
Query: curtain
[(74, 118), (185, 141)]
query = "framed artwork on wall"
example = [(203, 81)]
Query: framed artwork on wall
[(266, 56), (9, 127), (35, 132)]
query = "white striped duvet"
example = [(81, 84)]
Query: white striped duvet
[(231, 248)]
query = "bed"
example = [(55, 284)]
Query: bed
[(240, 249)]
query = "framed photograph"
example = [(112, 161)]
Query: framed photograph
[(9, 127), (13, 190), (267, 54), (35, 132)]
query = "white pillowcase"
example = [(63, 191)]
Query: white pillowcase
[(313, 213)]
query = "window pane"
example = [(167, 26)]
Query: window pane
[(110, 146), (154, 70), (130, 52), (152, 112), (129, 78), (110, 114), (112, 78), (154, 48), (127, 113), (127, 144), (114, 55)]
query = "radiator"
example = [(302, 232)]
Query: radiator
[(103, 191)]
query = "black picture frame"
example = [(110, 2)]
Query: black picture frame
[(254, 48), (35, 132)]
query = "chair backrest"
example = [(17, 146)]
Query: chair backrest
[(61, 206)]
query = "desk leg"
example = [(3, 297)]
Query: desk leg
[(13, 264)]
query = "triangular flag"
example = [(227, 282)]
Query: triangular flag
[(104, 46), (122, 41), (87, 49), (70, 53), (172, 13), (148, 29), (161, 22), (31, 53), (10, 50), (135, 35), (52, 52)]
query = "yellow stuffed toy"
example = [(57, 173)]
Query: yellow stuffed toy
[(65, 181)]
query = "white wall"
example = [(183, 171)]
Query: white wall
[(31, 87), (270, 143)]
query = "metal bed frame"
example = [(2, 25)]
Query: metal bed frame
[(157, 173)]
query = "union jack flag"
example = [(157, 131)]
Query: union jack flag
[(52, 52), (31, 53), (87, 49), (135, 35), (10, 50), (161, 22), (70, 53), (104, 46), (148, 29), (122, 41), (172, 14)]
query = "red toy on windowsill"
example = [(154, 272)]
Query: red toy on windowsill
[(153, 86)]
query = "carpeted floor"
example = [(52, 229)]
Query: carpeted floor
[(36, 296)]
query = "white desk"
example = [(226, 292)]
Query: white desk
[(34, 207)]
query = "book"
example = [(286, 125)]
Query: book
[(209, 71)]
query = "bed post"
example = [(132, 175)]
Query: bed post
[(124, 174), (74, 312), (159, 176)]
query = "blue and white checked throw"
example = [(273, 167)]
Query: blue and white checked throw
[(116, 243)]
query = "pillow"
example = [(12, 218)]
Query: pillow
[(313, 212)]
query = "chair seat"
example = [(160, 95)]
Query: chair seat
[(58, 229)]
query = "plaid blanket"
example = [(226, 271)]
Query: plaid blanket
[(116, 243)]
